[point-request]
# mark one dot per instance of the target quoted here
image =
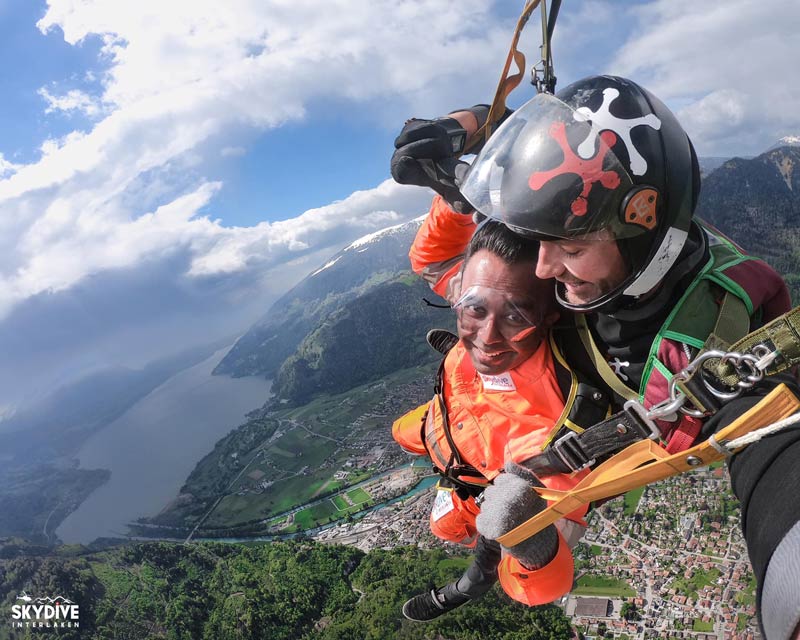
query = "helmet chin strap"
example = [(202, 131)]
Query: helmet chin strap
[(607, 303), (634, 288), (661, 262)]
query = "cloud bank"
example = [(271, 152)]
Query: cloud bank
[(727, 67), (130, 188), (180, 74)]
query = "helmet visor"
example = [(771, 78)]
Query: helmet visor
[(547, 171)]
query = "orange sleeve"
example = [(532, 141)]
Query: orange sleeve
[(454, 520), (440, 244), (540, 586), (407, 430)]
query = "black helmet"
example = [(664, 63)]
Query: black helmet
[(603, 153)]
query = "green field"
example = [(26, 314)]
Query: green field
[(318, 514), (280, 452), (316, 441), (699, 625), (460, 563), (632, 500), (699, 579), (602, 586), (340, 503), (358, 496)]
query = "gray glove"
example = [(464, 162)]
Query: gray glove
[(509, 502)]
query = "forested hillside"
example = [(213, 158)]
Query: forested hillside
[(369, 337), (356, 269), (282, 591)]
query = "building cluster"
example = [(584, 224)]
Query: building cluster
[(679, 549)]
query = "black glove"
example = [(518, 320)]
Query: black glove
[(509, 502), (425, 155)]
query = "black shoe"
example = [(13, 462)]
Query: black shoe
[(441, 340), (427, 606)]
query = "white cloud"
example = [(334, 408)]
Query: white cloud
[(271, 244), (6, 167), (73, 100), (232, 152), (730, 65), (181, 74)]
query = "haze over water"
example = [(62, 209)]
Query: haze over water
[(153, 447)]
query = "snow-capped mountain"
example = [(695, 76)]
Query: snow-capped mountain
[(364, 264), (786, 141)]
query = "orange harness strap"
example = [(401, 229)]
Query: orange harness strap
[(507, 82)]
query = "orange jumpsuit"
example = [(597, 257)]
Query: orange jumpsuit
[(493, 419)]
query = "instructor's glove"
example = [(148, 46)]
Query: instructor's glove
[(425, 155), (509, 502)]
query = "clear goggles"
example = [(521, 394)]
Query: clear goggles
[(479, 306)]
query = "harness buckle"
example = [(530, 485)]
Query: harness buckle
[(569, 451), (642, 415)]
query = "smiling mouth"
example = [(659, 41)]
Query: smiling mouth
[(494, 354)]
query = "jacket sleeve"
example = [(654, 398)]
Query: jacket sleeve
[(540, 586), (439, 247)]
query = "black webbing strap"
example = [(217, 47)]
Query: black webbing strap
[(455, 467), (575, 451)]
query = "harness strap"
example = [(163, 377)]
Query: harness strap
[(733, 322), (781, 335), (507, 82), (575, 451), (454, 466), (645, 462), (772, 349), (602, 367), (684, 435)]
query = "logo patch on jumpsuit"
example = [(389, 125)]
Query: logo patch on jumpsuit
[(442, 505), (502, 382)]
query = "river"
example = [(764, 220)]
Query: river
[(153, 447)]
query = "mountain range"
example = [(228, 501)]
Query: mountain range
[(756, 202), (360, 315), (357, 318)]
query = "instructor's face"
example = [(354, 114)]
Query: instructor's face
[(499, 312), (587, 267)]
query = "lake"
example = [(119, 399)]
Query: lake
[(153, 447)]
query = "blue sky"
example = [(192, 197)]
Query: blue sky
[(204, 156)]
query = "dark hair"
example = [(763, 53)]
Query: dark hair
[(497, 238)]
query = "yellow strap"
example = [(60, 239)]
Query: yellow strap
[(644, 462), (601, 366), (507, 83)]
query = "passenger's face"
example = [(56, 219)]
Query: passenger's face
[(588, 267), (498, 311)]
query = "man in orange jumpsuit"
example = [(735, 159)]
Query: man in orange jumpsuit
[(499, 402)]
